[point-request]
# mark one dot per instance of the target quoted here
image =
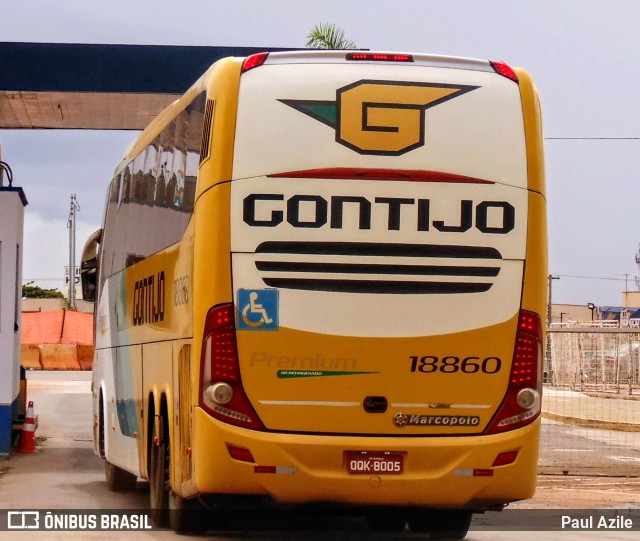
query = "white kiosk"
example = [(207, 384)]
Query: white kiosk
[(12, 203)]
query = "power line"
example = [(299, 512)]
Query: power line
[(592, 138), (595, 277)]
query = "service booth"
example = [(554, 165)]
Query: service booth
[(12, 203)]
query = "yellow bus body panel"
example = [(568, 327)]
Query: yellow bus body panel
[(346, 369), (438, 471)]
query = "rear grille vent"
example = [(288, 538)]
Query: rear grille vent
[(206, 131), (347, 267)]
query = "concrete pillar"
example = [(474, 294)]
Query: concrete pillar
[(12, 203)]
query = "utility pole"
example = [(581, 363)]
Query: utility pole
[(548, 370), (638, 276), (551, 278), (71, 225)]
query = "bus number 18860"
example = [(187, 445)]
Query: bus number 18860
[(451, 364)]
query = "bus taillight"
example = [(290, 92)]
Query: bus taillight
[(254, 61), (521, 404), (506, 71), (221, 391)]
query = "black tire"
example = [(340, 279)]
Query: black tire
[(386, 521), (101, 429), (187, 516), (442, 523), (159, 480), (119, 480)]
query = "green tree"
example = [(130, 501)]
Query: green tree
[(328, 36), (36, 292)]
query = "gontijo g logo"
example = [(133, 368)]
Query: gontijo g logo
[(380, 117)]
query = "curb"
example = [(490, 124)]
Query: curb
[(591, 423)]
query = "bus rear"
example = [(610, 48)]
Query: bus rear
[(388, 253)]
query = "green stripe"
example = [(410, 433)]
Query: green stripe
[(289, 374)]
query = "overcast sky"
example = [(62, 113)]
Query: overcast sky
[(583, 54)]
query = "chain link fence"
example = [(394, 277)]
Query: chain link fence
[(604, 359), (591, 400)]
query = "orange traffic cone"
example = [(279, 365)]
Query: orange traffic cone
[(27, 441)]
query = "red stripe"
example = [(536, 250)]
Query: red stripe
[(264, 469), (352, 173)]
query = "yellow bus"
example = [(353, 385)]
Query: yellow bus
[(320, 280)]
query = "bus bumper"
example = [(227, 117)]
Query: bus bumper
[(302, 469)]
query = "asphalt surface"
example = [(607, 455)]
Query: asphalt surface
[(65, 474)]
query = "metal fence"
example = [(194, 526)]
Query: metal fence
[(604, 359), (591, 400)]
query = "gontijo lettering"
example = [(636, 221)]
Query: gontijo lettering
[(268, 210), (148, 300)]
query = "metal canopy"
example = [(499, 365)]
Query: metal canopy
[(100, 87)]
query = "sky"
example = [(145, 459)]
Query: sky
[(583, 54)]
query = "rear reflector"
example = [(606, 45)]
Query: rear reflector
[(505, 458), (275, 469), (241, 454), (380, 57), (506, 71), (264, 469), (254, 61), (475, 472)]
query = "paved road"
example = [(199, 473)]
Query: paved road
[(589, 434), (65, 474), (594, 410)]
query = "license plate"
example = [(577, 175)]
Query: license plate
[(374, 462)]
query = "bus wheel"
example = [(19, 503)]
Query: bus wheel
[(386, 521), (118, 480), (159, 480), (442, 523), (187, 516)]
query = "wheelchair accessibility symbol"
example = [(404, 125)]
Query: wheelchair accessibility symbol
[(257, 310)]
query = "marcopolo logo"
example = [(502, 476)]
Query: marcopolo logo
[(380, 117), (402, 419)]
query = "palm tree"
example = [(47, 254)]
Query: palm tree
[(328, 36)]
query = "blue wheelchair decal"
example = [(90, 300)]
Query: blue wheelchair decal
[(257, 310)]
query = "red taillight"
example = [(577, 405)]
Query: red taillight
[(221, 391), (254, 61), (521, 404), (524, 370), (506, 71), (223, 350), (380, 57)]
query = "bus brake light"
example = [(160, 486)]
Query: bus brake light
[(221, 391), (380, 57), (521, 404)]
